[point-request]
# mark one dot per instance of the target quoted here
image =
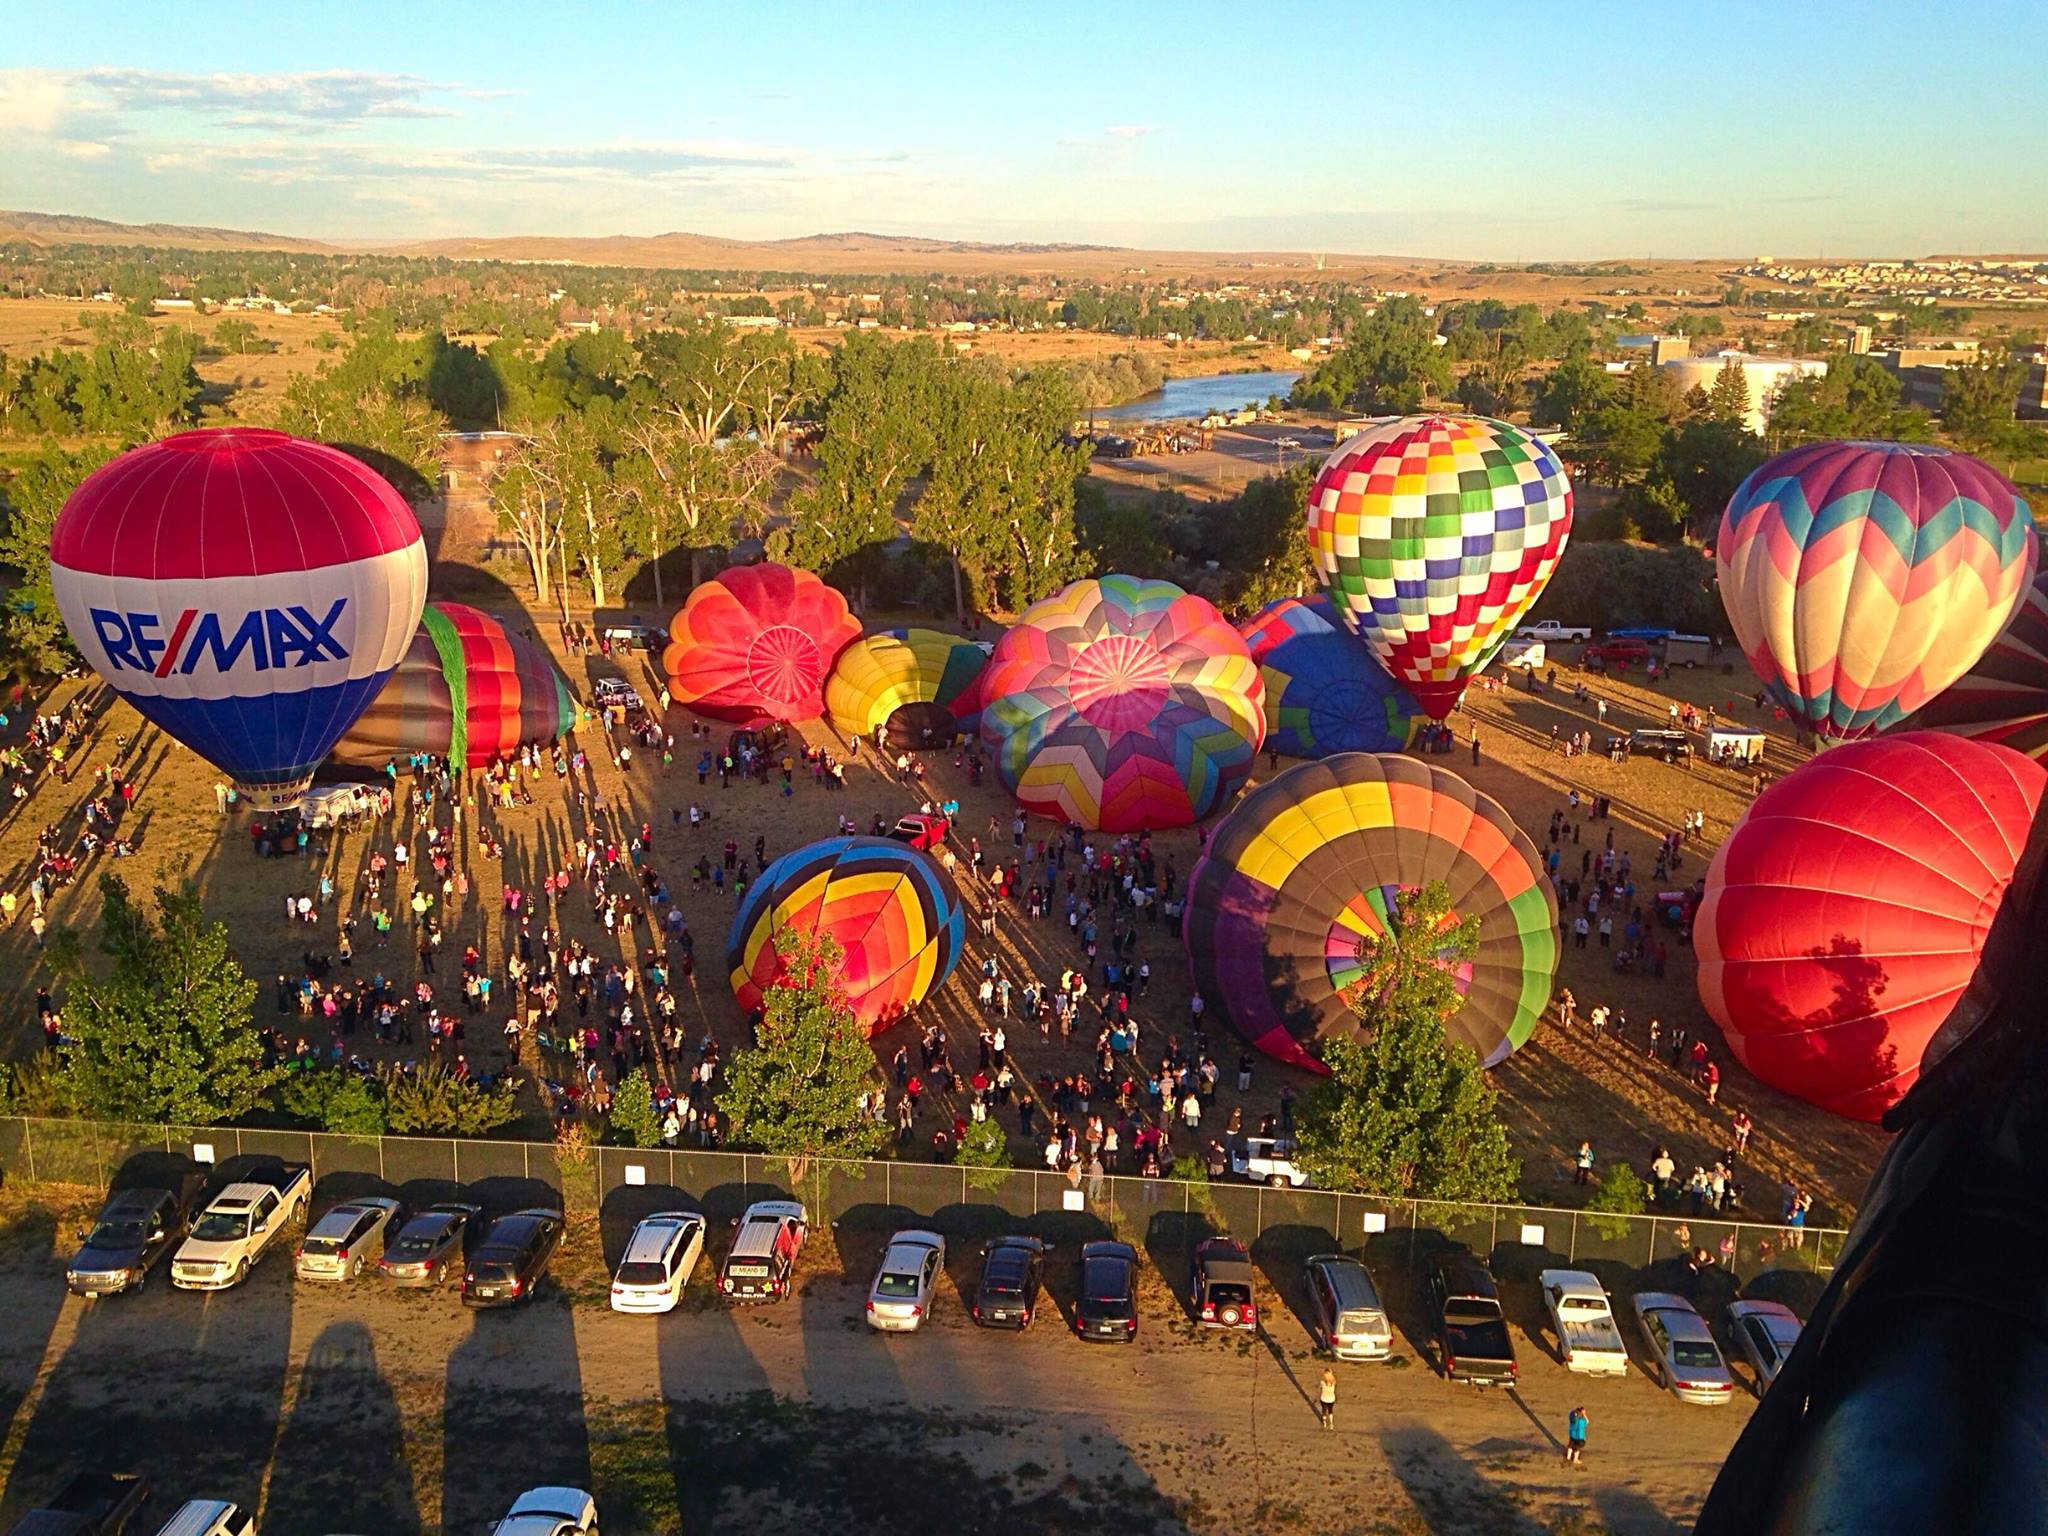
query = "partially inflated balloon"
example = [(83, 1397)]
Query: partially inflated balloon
[(1433, 535), (2004, 698), (754, 643), (1325, 692), (892, 911), (1308, 866), (915, 684), (1864, 578), (1847, 912), (1122, 704), (246, 591), (467, 689)]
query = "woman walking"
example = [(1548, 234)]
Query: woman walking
[(1326, 1402)]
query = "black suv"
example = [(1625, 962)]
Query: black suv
[(1011, 1270), (1223, 1285), (1107, 1307), (508, 1265), (136, 1227)]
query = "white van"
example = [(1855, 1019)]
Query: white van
[(210, 1517)]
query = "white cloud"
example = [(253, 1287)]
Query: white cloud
[(31, 101), (84, 149), (317, 98), (1130, 130)]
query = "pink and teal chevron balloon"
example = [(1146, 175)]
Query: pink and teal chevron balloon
[(1864, 578)]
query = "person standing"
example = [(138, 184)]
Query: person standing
[(1585, 1161), (1326, 1399), (1575, 1428), (1475, 746)]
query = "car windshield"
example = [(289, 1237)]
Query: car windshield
[(643, 1272), (118, 1234), (493, 1269), (1361, 1320), (222, 1226), (1471, 1309), (896, 1285), (416, 1244), (1698, 1356), (1007, 1281)]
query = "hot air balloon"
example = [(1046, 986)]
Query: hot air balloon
[(2004, 697), (467, 689), (912, 683), (753, 644), (1122, 704), (1846, 913), (891, 909), (1310, 863), (1325, 692), (1864, 578), (248, 592), (1433, 535)]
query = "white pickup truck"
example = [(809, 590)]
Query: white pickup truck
[(1265, 1160), (1551, 630), (1587, 1337), (243, 1223)]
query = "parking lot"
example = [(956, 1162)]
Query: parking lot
[(359, 1408)]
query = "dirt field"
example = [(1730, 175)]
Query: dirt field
[(1555, 1091), (360, 1408)]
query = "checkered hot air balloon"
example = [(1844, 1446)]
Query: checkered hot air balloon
[(892, 910), (1123, 704), (1862, 579), (1433, 535), (915, 684), (467, 689), (754, 643), (1308, 865), (1325, 691)]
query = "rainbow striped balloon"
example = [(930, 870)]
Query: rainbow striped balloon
[(1864, 578), (1433, 535), (1123, 704)]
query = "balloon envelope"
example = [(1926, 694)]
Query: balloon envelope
[(247, 591), (1311, 863), (2004, 697), (916, 684), (1864, 578), (467, 689), (1325, 691), (1122, 704), (1433, 535), (892, 910), (1846, 912), (753, 644)]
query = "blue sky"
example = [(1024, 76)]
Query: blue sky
[(1530, 132)]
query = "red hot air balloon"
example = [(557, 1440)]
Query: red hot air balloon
[(754, 644), (1848, 911)]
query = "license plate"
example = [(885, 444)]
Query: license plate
[(1000, 1316), (487, 1290)]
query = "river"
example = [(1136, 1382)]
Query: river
[(1191, 399)]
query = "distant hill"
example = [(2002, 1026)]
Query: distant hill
[(76, 229)]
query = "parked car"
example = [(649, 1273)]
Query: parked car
[(1687, 650), (1648, 633), (1465, 1315), (906, 1281), (1528, 655), (135, 1228), (210, 1517), (1346, 1314), (511, 1261), (660, 1257), (1765, 1332), (432, 1245), (1012, 1269), (1265, 1160), (242, 1224), (1107, 1306), (90, 1504), (1222, 1285), (550, 1512), (923, 830), (616, 692), (1683, 1354), (1611, 655), (764, 1249), (1671, 746), (1588, 1341), (347, 1239), (1553, 632)]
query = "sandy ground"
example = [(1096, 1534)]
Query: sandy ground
[(358, 1408)]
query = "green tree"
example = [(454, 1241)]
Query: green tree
[(1729, 399), (1407, 1110), (34, 629), (1621, 1192), (1120, 534), (1390, 363), (346, 1103), (797, 1091), (431, 1100), (633, 1121), (234, 336), (985, 1152), (1858, 397), (1979, 402), (165, 1035)]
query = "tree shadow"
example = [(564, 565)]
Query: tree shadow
[(341, 1459), (1449, 1497), (500, 1437)]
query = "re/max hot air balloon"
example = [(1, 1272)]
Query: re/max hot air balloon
[(248, 592), (1307, 866), (912, 684), (1122, 704), (2004, 697), (467, 689), (891, 909), (1433, 535), (754, 643), (1864, 578), (1846, 913), (1325, 692)]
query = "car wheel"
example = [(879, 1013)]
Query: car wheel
[(241, 1272), (1278, 1181)]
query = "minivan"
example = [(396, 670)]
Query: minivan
[(210, 1517), (1345, 1310)]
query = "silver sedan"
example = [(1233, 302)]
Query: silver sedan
[(906, 1281)]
